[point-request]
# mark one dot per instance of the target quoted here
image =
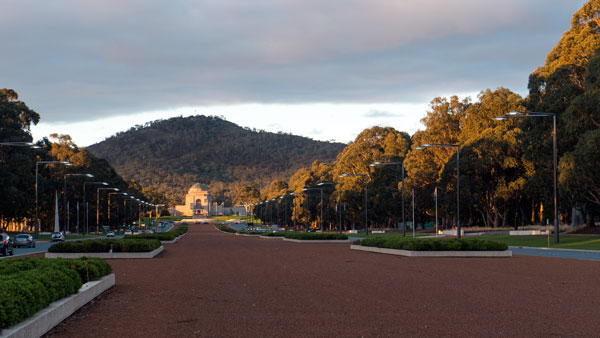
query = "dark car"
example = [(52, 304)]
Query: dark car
[(57, 237), (7, 245), (24, 240)]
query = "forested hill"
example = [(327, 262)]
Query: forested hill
[(173, 154)]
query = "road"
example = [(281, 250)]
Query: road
[(211, 284)]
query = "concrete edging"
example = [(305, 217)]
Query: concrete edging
[(45, 319), (270, 237), (318, 240), (106, 255), (455, 254)]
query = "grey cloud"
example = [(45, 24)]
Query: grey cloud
[(79, 60), (379, 114)]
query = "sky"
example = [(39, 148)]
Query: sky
[(321, 69)]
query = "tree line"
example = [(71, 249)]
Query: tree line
[(506, 167), (18, 177)]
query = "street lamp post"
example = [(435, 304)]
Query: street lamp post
[(37, 215), (457, 146), (402, 165), (109, 195), (366, 198), (516, 114), (85, 204), (435, 192), (66, 200), (98, 204)]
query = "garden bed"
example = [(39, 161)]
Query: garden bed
[(30, 285), (166, 237), (434, 247), (44, 320), (107, 255), (107, 248), (315, 237)]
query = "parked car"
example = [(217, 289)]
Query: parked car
[(57, 237), (24, 240), (7, 245), (128, 233), (110, 234)]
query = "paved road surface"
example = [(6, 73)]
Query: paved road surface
[(211, 284)]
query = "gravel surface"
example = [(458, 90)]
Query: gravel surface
[(211, 284)]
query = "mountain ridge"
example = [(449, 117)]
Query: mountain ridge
[(175, 153)]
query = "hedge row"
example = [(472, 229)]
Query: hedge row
[(434, 244), (29, 285), (275, 234), (165, 236), (104, 245), (225, 228), (315, 236)]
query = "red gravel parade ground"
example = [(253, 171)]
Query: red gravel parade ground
[(211, 284)]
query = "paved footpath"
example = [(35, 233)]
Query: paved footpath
[(212, 284)]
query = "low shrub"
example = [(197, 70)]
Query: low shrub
[(29, 285), (164, 236), (225, 228), (104, 245), (434, 244), (275, 234), (315, 236)]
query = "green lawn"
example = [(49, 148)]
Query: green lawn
[(582, 242)]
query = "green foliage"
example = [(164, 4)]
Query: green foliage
[(29, 285), (225, 228), (275, 234), (104, 245), (164, 236), (315, 236), (431, 244), (165, 154), (16, 163)]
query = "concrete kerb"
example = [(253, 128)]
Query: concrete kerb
[(106, 255), (319, 240), (45, 319), (558, 249), (271, 237), (448, 254)]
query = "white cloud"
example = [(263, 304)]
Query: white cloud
[(83, 60)]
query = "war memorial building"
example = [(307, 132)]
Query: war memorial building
[(199, 204)]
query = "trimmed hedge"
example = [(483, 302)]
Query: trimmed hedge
[(29, 285), (104, 245), (275, 234), (225, 228), (434, 244), (165, 236), (315, 236)]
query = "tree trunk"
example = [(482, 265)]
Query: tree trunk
[(589, 220)]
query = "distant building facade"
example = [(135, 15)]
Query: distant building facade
[(199, 203)]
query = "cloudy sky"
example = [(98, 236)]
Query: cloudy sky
[(325, 69)]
